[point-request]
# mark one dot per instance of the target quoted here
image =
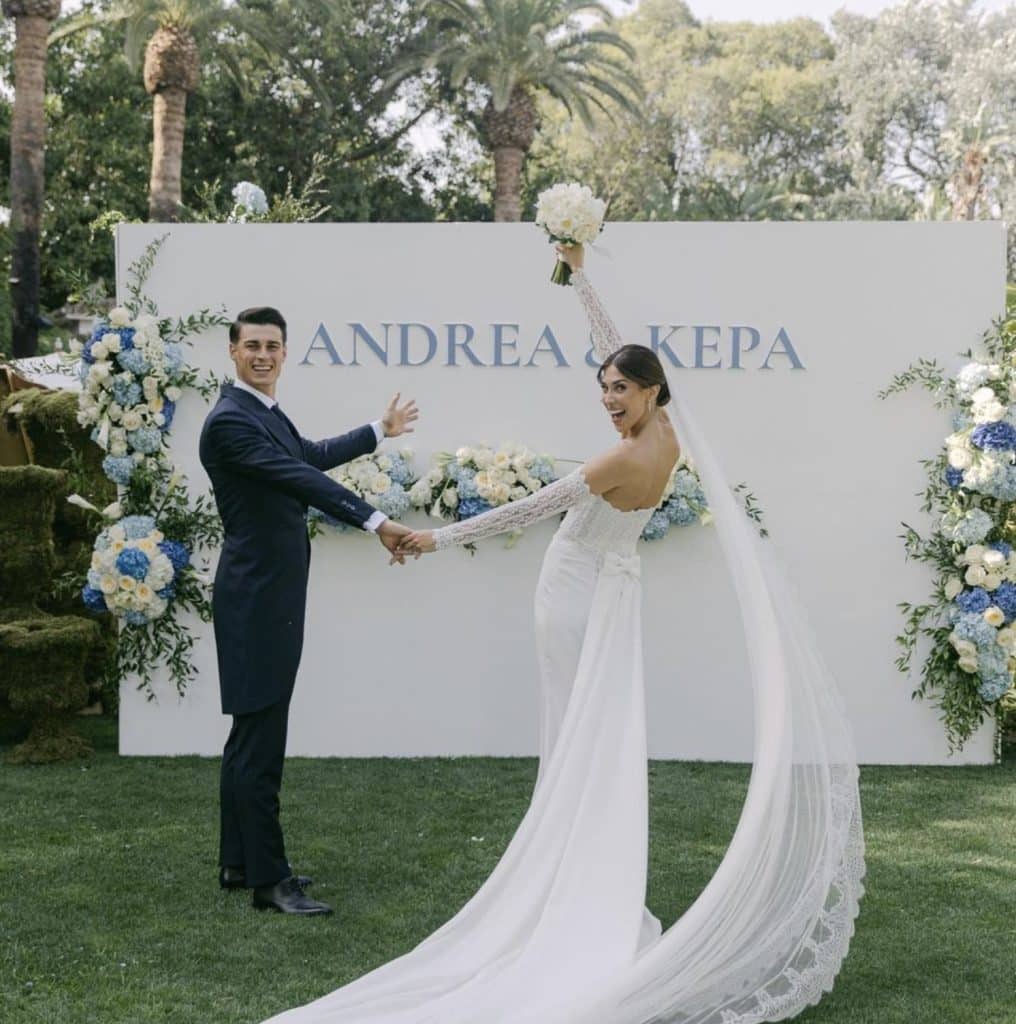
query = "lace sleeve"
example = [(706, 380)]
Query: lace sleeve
[(555, 497), (606, 337)]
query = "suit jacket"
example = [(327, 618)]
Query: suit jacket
[(264, 475)]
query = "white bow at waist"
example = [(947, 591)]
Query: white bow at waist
[(623, 565)]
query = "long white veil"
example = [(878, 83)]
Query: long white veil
[(767, 935)]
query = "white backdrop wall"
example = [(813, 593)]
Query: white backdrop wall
[(785, 333)]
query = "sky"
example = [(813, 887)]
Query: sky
[(780, 10)]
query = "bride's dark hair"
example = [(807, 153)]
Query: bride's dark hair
[(641, 365)]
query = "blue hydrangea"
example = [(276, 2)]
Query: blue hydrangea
[(972, 627), (83, 370), (145, 439), (1005, 598), (133, 562), (473, 507), (168, 592), (973, 601), (93, 598), (136, 527), (543, 469), (173, 358), (994, 437), (178, 554), (657, 527), (126, 392), (136, 618), (953, 477), (168, 412), (400, 472), (394, 502), (119, 468), (992, 660), (1000, 545), (134, 361), (126, 337), (960, 422), (679, 512), (969, 528), (467, 489), (994, 687)]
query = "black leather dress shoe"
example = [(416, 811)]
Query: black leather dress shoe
[(235, 878), (288, 898)]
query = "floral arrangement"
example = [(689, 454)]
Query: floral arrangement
[(133, 371), (249, 201), (477, 478), (131, 379), (571, 215), (382, 479), (970, 619)]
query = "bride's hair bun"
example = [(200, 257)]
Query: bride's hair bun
[(641, 365)]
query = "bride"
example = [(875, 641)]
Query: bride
[(558, 934)]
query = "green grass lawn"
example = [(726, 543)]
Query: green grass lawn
[(110, 910)]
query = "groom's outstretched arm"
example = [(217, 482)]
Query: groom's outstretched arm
[(335, 451), (233, 444)]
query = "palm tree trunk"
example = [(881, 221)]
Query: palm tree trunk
[(28, 150), (508, 162), (164, 191)]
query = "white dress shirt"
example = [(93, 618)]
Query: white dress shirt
[(379, 432)]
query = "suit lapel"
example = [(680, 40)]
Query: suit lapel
[(275, 426)]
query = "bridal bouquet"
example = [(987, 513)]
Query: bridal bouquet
[(477, 478), (683, 502), (382, 479), (131, 379), (135, 571), (571, 215)]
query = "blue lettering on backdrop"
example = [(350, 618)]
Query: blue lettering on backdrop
[(702, 346)]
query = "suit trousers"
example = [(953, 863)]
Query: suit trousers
[(250, 832)]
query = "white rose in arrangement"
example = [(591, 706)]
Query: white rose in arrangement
[(483, 457), (128, 582), (994, 616), (132, 419), (380, 483), (960, 458), (112, 343), (144, 592), (974, 554), (982, 395), (975, 575), (993, 559), (992, 581), (156, 404), (173, 393), (518, 493), (463, 455), (989, 412), (118, 448), (108, 584), (150, 386), (119, 316), (995, 372), (100, 350), (502, 493), (1006, 637), (451, 498), (953, 586), (384, 463), (968, 664), (502, 460), (159, 419), (966, 648), (419, 493)]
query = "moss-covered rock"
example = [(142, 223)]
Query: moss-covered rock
[(42, 676)]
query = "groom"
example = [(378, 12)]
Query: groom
[(264, 475)]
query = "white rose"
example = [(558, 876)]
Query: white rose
[(108, 584), (118, 448), (1006, 636), (132, 419), (983, 395), (384, 463), (100, 372), (173, 393), (518, 492), (974, 554), (960, 458), (100, 350), (156, 404), (975, 575), (502, 492), (150, 386), (501, 460), (138, 457), (968, 664), (112, 343), (380, 483), (128, 582), (994, 616), (994, 372), (992, 581), (451, 498), (119, 316), (463, 455), (144, 593), (483, 457), (990, 412), (419, 493), (953, 586), (993, 559), (159, 419)]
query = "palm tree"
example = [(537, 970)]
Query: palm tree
[(168, 33), (28, 149), (514, 49)]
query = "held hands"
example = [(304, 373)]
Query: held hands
[(391, 535), (397, 418), (418, 542)]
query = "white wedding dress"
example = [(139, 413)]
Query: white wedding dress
[(558, 934)]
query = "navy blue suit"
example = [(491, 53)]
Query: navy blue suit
[(264, 476)]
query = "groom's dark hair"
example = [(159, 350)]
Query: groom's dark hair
[(257, 315)]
